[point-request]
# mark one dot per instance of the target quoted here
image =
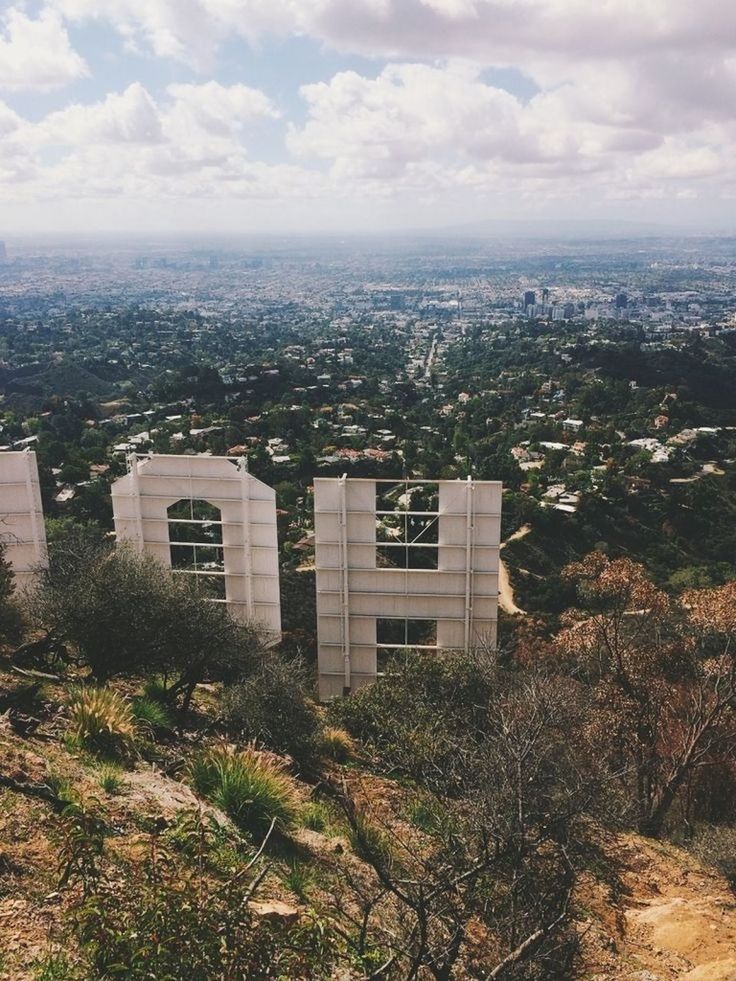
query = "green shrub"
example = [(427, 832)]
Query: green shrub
[(251, 789), (271, 708), (101, 720), (152, 715), (180, 920), (416, 715)]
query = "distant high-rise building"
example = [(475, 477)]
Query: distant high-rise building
[(622, 301), (3, 252), (545, 296), (530, 299)]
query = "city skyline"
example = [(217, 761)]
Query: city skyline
[(363, 115)]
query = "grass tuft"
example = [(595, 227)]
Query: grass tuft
[(251, 789), (299, 877), (101, 720), (370, 842), (111, 779), (316, 816), (152, 715), (337, 744), (155, 689), (62, 787)]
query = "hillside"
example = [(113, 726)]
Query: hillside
[(174, 804), (641, 909)]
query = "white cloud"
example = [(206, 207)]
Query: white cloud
[(130, 145), (430, 129), (416, 114), (36, 54), (128, 117), (636, 98), (179, 29), (216, 109)]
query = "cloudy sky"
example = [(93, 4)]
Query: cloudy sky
[(258, 115)]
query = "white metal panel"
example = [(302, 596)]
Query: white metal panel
[(22, 529), (352, 592), (247, 506)]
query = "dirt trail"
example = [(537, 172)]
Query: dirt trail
[(505, 591), (675, 920)]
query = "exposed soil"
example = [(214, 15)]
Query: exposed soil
[(666, 917)]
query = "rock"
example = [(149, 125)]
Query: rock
[(276, 911)]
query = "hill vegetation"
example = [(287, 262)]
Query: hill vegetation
[(174, 803)]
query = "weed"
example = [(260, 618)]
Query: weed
[(250, 789), (111, 779), (53, 967), (337, 744), (84, 841), (101, 720)]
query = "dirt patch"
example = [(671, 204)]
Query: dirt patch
[(670, 917), (506, 598)]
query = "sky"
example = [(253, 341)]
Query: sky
[(242, 116)]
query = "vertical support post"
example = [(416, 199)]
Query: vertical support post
[(31, 497), (469, 529), (345, 592), (135, 494), (248, 552)]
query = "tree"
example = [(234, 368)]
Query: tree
[(662, 674), (125, 613), (485, 888)]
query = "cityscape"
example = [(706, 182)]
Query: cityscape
[(560, 370)]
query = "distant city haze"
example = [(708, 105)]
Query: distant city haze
[(367, 116)]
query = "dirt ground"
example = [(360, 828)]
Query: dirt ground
[(666, 917)]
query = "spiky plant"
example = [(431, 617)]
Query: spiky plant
[(337, 744), (101, 720), (251, 789)]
